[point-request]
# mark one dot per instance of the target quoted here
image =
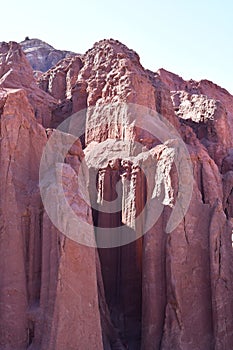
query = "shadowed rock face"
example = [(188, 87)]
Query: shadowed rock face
[(41, 55), (160, 292)]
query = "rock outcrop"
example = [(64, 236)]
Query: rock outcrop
[(158, 292), (41, 55)]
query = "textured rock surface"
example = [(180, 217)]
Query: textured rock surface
[(40, 293), (16, 72), (159, 292), (41, 55)]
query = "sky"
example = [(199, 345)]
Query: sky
[(193, 39)]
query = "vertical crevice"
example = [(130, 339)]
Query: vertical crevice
[(121, 267)]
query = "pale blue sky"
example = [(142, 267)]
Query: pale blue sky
[(190, 38)]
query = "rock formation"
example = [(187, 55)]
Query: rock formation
[(159, 292), (41, 55)]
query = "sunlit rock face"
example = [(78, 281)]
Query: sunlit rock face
[(161, 290)]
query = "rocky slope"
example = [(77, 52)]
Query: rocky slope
[(161, 291), (41, 55)]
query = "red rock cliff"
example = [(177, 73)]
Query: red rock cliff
[(161, 291)]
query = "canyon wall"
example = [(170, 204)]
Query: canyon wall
[(160, 290)]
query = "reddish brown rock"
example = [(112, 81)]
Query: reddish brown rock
[(33, 253), (22, 141), (61, 79), (162, 291), (16, 72)]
